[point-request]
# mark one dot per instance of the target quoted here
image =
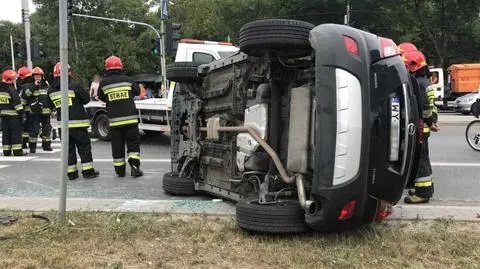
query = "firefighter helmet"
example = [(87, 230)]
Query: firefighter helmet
[(113, 62), (57, 70), (414, 60), (38, 71), (406, 47), (23, 72), (9, 76)]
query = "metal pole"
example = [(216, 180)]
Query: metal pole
[(26, 21), (64, 106), (12, 52), (347, 15), (163, 63)]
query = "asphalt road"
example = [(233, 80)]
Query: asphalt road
[(456, 170)]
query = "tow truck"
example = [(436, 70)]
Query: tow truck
[(154, 113), (306, 127)]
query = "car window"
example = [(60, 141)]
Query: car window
[(202, 58), (225, 54)]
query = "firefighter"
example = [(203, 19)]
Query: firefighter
[(78, 124), (37, 100), (117, 91), (11, 110), (416, 63), (25, 81)]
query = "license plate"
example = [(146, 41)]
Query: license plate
[(394, 128)]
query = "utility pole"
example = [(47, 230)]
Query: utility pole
[(12, 52), (347, 14), (26, 22), (62, 11), (163, 57)]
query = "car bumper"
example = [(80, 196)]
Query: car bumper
[(463, 108)]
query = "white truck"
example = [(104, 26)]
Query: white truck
[(154, 113)]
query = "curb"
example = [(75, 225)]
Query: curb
[(464, 212)]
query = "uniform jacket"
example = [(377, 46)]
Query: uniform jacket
[(10, 104), (117, 91), (429, 108), (77, 97), (36, 98)]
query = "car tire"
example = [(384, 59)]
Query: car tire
[(178, 186), (183, 72), (101, 127), (280, 218), (288, 38)]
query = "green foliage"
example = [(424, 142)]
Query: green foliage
[(448, 31)]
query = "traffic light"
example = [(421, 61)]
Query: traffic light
[(173, 37), (156, 49), (37, 50), (20, 50), (69, 9)]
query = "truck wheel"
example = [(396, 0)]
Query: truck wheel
[(101, 127), (178, 186), (288, 38), (281, 218), (186, 72)]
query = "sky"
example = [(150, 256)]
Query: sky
[(11, 10)]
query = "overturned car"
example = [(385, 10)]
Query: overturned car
[(306, 128)]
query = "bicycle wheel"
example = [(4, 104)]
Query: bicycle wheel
[(472, 134)]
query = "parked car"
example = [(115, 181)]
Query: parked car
[(463, 104), (306, 128)]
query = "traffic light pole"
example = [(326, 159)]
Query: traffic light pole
[(26, 21), (162, 63), (63, 26), (12, 52)]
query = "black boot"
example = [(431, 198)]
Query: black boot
[(7, 153), (19, 153), (73, 175), (120, 170), (33, 147), (47, 146), (54, 134), (136, 172), (91, 173)]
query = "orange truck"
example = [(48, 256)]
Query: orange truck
[(463, 79)]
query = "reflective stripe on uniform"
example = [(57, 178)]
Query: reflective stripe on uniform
[(25, 135), (72, 168), (426, 130), (58, 95), (118, 89), (32, 140), (18, 107), (431, 99), (46, 111), (9, 113), (16, 146), (134, 155), (28, 92), (116, 85), (4, 94), (46, 139), (42, 92), (78, 123), (6, 147), (87, 166), (423, 184), (119, 162), (123, 120)]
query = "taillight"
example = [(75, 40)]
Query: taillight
[(347, 211), (388, 48), (351, 45), (384, 210)]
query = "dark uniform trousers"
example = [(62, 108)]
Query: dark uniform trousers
[(131, 136), (424, 179), (36, 121), (12, 135), (79, 141), (27, 122)]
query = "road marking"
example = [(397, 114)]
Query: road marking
[(104, 160), (457, 164), (16, 159), (4, 166)]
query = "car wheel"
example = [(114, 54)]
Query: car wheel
[(178, 186), (285, 217), (101, 127), (186, 72), (288, 38)]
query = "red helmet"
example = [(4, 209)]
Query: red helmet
[(57, 70), (23, 72), (38, 71), (113, 62), (406, 47), (414, 60), (9, 76)]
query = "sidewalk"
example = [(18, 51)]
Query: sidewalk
[(462, 211)]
